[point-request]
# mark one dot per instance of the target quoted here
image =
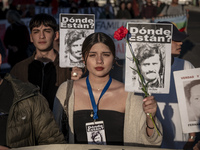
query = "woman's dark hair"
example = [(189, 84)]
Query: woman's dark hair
[(188, 87), (94, 38), (45, 19)]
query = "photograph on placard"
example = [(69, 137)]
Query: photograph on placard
[(187, 84), (151, 45), (74, 28)]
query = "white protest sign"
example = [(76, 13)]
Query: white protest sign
[(187, 84)]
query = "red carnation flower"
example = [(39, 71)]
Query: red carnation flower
[(120, 33)]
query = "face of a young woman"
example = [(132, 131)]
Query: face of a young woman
[(100, 60)]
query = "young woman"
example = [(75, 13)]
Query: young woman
[(100, 103)]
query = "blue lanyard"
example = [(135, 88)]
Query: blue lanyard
[(94, 105)]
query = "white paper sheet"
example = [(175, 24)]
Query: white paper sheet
[(74, 28), (151, 45), (187, 84)]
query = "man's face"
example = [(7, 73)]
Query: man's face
[(150, 67), (76, 48), (176, 48), (43, 37)]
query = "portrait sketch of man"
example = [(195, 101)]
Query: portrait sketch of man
[(150, 43), (193, 99), (187, 84), (73, 42), (73, 28), (151, 63)]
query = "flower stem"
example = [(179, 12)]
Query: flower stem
[(144, 86), (154, 124)]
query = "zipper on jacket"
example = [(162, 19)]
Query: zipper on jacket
[(42, 84)]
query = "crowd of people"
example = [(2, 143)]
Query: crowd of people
[(38, 86), (127, 9), (77, 101)]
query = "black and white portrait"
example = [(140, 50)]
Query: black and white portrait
[(74, 28), (150, 44), (97, 138), (187, 83), (96, 133), (151, 59), (192, 94), (73, 42)]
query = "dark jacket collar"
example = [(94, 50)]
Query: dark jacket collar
[(21, 89), (56, 61)]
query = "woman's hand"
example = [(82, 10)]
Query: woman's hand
[(76, 73), (150, 106)]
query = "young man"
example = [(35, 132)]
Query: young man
[(42, 68), (168, 110), (25, 117)]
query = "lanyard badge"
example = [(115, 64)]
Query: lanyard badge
[(96, 133), (96, 130)]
